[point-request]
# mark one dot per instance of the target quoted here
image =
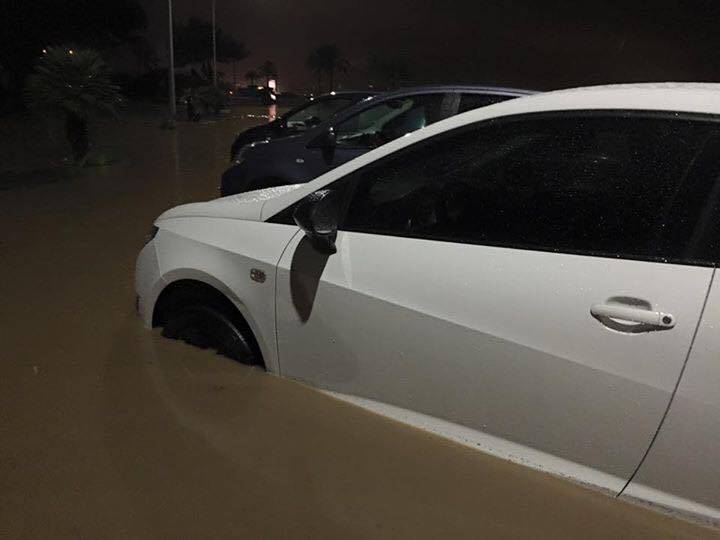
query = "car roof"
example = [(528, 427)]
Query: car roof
[(670, 96), (702, 98), (464, 88)]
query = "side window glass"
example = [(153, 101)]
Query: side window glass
[(603, 185), (389, 120)]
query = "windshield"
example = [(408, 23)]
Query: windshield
[(316, 112)]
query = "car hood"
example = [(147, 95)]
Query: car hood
[(247, 206)]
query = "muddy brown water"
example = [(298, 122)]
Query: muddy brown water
[(108, 430)]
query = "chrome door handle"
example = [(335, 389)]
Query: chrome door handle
[(631, 314)]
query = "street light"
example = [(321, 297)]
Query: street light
[(171, 67), (214, 46)]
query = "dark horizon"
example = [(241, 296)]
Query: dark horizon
[(521, 44)]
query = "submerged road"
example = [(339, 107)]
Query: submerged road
[(109, 431)]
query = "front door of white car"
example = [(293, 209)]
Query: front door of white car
[(538, 279)]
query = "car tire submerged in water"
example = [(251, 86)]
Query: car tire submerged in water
[(209, 322)]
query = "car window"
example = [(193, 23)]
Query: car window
[(468, 102), (389, 120), (604, 185), (316, 112)]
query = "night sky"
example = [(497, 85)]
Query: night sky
[(522, 43)]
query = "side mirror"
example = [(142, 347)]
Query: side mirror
[(326, 140), (317, 216)]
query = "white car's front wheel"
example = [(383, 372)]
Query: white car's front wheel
[(209, 321)]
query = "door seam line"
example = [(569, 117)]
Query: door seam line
[(677, 385), (275, 301)]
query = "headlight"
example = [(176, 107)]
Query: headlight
[(151, 234)]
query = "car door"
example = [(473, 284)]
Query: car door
[(377, 125), (533, 279)]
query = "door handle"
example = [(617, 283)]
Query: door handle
[(632, 314)]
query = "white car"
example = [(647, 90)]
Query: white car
[(536, 275)]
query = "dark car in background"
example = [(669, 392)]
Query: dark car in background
[(311, 113), (315, 149)]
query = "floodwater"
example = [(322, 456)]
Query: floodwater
[(109, 431)]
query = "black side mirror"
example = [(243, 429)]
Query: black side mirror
[(317, 215), (326, 140)]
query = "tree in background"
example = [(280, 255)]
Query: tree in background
[(193, 45), (75, 85), (28, 27), (390, 72), (327, 59), (251, 77), (268, 70)]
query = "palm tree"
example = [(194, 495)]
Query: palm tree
[(251, 77), (327, 59), (76, 85), (268, 70)]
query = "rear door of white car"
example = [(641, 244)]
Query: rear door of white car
[(538, 279)]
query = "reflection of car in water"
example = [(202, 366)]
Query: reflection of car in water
[(540, 272), (319, 147), (305, 116)]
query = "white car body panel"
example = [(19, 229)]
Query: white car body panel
[(148, 282), (246, 206), (610, 391), (679, 461), (478, 345)]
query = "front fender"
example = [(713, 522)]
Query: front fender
[(222, 253), (180, 274)]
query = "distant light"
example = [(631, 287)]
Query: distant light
[(71, 51), (230, 92), (44, 51), (332, 93), (260, 87)]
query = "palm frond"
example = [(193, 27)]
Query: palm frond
[(66, 80)]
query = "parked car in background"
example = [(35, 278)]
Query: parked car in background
[(540, 272), (303, 117), (354, 131)]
